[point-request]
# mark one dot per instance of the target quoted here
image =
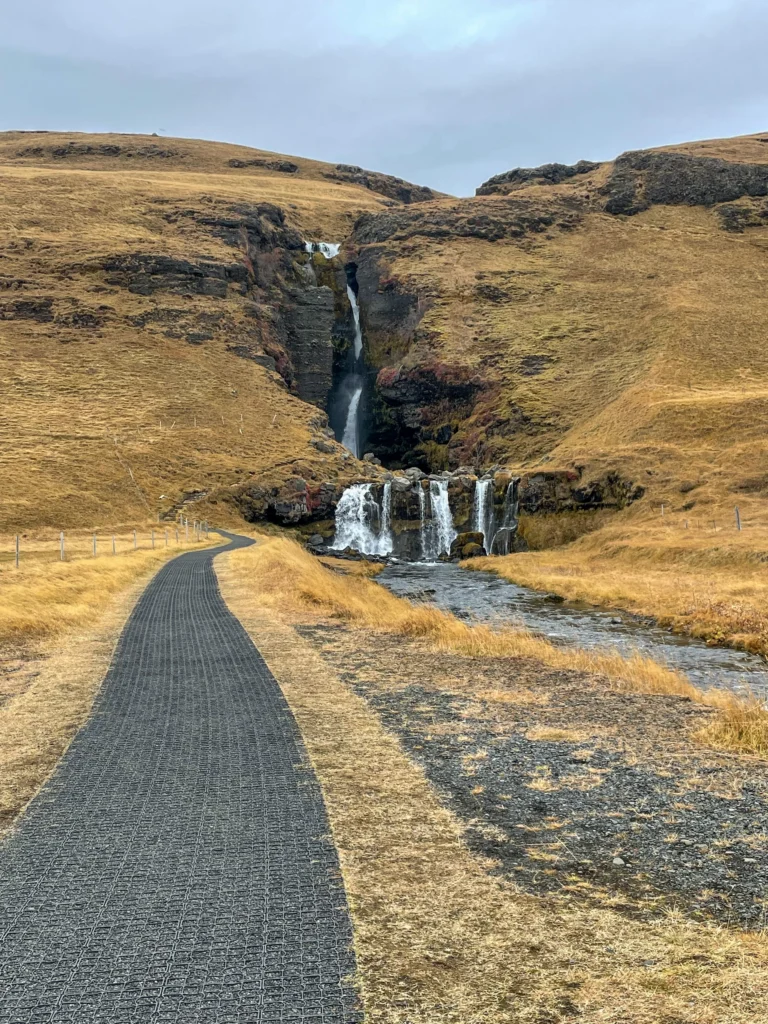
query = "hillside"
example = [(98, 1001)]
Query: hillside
[(165, 335), (595, 318), (158, 325)]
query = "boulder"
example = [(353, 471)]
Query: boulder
[(401, 484), (414, 474), (466, 541)]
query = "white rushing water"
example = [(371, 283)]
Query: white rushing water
[(356, 314), (328, 249), (442, 519), (482, 512), (351, 436), (361, 523), (424, 528)]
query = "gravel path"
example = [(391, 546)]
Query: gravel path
[(177, 867)]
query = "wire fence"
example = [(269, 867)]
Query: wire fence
[(21, 549), (703, 522)]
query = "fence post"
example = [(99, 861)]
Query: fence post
[(61, 545), (186, 530), (166, 538), (134, 540), (738, 518), (662, 510), (17, 551), (177, 535), (114, 546), (153, 540), (94, 545)]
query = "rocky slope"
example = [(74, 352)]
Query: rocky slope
[(596, 318), (164, 335)]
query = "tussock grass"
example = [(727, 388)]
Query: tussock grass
[(438, 938), (287, 574), (710, 584), (46, 598)]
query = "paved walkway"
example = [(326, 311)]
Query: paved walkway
[(177, 867)]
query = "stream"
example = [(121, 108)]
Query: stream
[(484, 597)]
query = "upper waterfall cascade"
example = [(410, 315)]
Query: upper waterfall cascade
[(328, 249)]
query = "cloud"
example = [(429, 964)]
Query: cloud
[(445, 92)]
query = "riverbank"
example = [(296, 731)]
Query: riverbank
[(706, 583), (480, 805)]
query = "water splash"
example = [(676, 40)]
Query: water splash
[(363, 524), (505, 535), (328, 249), (424, 527), (483, 518), (443, 530)]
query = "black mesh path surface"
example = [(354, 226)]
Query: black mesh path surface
[(177, 867)]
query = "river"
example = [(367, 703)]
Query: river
[(484, 597)]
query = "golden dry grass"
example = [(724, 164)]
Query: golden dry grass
[(59, 623), (710, 583), (287, 575), (650, 331), (47, 598), (113, 423), (438, 939)]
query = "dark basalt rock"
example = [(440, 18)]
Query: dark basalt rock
[(498, 219), (79, 149), (40, 310), (563, 491), (468, 545), (145, 274), (384, 184), (284, 166), (646, 178), (547, 174)]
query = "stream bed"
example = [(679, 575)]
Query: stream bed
[(484, 597)]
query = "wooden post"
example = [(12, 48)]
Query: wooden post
[(17, 551), (94, 545), (186, 531), (738, 518), (685, 521), (153, 540), (114, 546), (662, 510), (135, 545), (61, 545), (177, 535), (166, 538)]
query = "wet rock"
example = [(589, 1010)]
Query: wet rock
[(402, 483), (468, 545), (317, 540), (414, 474)]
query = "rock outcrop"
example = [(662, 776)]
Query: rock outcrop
[(646, 178), (385, 184), (521, 177)]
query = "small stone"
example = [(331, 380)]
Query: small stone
[(317, 540), (368, 457), (619, 862), (750, 860)]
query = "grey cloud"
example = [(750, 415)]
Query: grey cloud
[(556, 80)]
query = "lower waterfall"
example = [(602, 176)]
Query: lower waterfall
[(363, 524), (442, 533), (501, 543), (483, 517)]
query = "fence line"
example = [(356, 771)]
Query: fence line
[(69, 551)]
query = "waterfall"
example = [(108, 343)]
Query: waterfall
[(483, 519), (424, 528), (361, 523), (444, 532), (353, 383), (328, 249), (502, 541), (350, 439), (356, 314)]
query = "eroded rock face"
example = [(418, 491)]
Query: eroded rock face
[(384, 184), (547, 174), (309, 319), (644, 178), (565, 491)]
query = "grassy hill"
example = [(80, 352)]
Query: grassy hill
[(635, 341), (141, 281)]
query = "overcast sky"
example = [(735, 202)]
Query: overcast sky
[(441, 92)]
